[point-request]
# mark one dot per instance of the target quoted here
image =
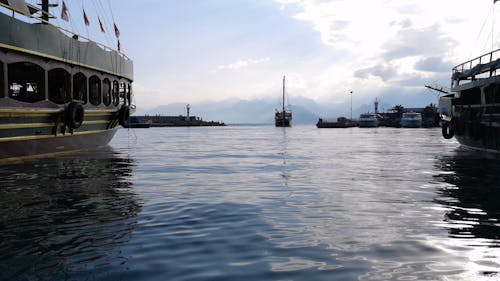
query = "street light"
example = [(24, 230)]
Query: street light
[(351, 105)]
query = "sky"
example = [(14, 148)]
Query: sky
[(214, 50)]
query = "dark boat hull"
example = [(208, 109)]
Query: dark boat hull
[(485, 138), (283, 119), (16, 150), (36, 132), (282, 123), (339, 124), (335, 125)]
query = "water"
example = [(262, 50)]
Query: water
[(255, 203)]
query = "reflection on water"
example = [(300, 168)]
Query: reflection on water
[(66, 216), (283, 152), (255, 203), (471, 202), (472, 195)]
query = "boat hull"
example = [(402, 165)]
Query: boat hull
[(411, 123), (282, 123), (283, 119), (368, 123), (21, 149), (470, 142), (37, 132), (483, 136), (335, 124)]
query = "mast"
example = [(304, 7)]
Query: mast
[(45, 11), (283, 96)]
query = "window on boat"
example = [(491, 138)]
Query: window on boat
[(80, 87), (122, 93), (106, 92), (115, 98), (26, 82), (2, 85), (95, 90), (59, 86), (471, 96)]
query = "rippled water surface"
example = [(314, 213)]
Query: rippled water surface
[(255, 203)]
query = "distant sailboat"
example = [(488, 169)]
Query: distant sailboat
[(283, 118)]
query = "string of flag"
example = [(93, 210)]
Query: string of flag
[(65, 17)]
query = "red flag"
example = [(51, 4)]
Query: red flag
[(85, 18), (64, 12), (100, 24), (117, 32)]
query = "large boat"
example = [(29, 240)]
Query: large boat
[(341, 122), (411, 120), (283, 118), (368, 120), (59, 91), (470, 111)]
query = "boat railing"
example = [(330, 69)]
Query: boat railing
[(64, 30), (469, 70)]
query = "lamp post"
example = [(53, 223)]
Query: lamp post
[(351, 106)]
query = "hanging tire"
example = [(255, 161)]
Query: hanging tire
[(74, 115), (447, 130), (123, 115)]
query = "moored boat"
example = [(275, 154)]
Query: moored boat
[(283, 118), (341, 122), (59, 91), (470, 112), (368, 120), (411, 120)]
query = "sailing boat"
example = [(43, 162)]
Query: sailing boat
[(283, 118), (59, 91), (470, 111)]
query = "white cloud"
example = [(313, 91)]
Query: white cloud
[(326, 48), (388, 42), (242, 64)]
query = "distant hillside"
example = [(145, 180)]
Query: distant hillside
[(261, 111), (238, 111)]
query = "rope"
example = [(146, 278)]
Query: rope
[(102, 16), (493, 29), (479, 35)]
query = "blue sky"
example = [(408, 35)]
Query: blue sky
[(193, 50)]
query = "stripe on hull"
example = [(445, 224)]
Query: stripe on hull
[(15, 150), (469, 142)]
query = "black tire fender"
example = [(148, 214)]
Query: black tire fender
[(447, 130), (74, 115)]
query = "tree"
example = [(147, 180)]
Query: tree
[(399, 108)]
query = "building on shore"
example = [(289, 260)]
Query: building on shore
[(170, 121)]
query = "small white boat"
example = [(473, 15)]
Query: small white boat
[(411, 120), (368, 120)]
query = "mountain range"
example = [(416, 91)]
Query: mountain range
[(261, 111)]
